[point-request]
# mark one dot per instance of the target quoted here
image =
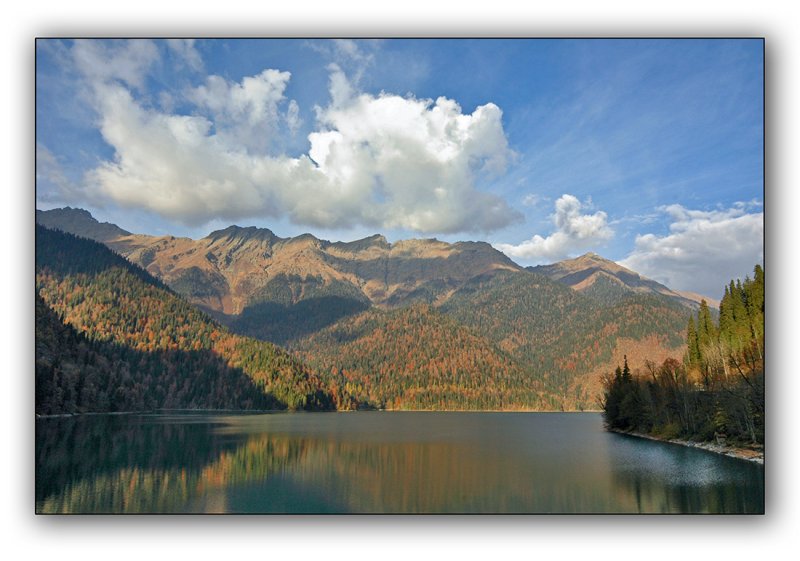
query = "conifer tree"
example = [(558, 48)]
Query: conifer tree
[(626, 372), (726, 320), (693, 352), (706, 331)]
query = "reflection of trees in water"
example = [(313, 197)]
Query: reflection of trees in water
[(68, 450), (150, 484), (673, 495), (126, 466)]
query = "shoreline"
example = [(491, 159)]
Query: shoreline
[(730, 451), (270, 411), (157, 412)]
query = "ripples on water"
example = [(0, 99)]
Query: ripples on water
[(378, 462)]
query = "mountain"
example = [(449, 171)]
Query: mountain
[(607, 282), (110, 337), (563, 337), (424, 323), (695, 297), (80, 223), (281, 289), (232, 269), (417, 358)]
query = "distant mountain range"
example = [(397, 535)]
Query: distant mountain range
[(231, 269), (606, 281), (341, 304)]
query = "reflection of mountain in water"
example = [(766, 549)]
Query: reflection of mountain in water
[(124, 465)]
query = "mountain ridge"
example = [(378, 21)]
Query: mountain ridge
[(608, 281), (79, 222), (229, 269), (293, 291), (166, 256)]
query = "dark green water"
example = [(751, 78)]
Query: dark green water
[(377, 462)]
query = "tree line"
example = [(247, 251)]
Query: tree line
[(718, 389)]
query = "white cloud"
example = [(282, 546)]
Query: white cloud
[(245, 113), (704, 249), (574, 232), (126, 61), (293, 120), (340, 88), (379, 161), (531, 200), (186, 50), (353, 56)]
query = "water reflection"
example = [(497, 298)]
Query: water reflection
[(680, 479), (376, 462)]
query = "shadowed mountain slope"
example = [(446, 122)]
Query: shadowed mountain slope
[(163, 351)]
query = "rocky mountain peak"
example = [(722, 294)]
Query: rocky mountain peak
[(596, 276), (79, 222), (239, 233)]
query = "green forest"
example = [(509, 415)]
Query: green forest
[(417, 358), (109, 337), (717, 392), (557, 335)]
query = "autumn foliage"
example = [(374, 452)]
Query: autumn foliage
[(110, 338)]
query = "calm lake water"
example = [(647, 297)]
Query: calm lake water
[(377, 462)]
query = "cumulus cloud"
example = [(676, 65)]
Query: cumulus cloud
[(245, 113), (703, 250), (374, 160), (574, 232)]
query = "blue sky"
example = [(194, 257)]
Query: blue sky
[(648, 152)]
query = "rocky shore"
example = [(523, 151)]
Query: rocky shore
[(756, 456)]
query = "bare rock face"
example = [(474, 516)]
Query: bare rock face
[(607, 281), (237, 267)]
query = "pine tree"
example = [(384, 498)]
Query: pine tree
[(726, 320), (706, 331), (693, 352), (754, 294)]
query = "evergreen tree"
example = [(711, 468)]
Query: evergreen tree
[(726, 320), (669, 403), (706, 331), (693, 347), (754, 294), (626, 372)]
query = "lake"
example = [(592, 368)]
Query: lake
[(377, 462)]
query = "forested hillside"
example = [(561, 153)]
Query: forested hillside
[(416, 358), (147, 347), (555, 335), (718, 390), (558, 335)]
